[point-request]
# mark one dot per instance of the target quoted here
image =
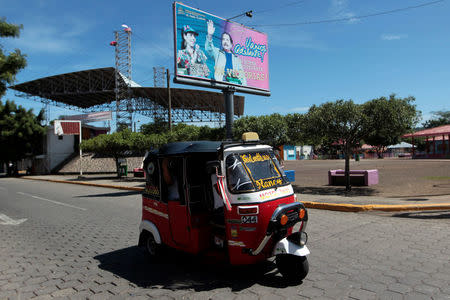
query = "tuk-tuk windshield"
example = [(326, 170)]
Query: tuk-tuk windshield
[(254, 171)]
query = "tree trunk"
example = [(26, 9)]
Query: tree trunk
[(348, 187), (117, 166), (379, 152)]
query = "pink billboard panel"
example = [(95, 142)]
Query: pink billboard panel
[(211, 51)]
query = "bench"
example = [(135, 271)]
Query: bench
[(357, 177), (138, 172)]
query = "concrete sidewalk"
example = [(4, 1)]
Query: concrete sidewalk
[(328, 202)]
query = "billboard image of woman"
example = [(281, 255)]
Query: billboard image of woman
[(190, 58)]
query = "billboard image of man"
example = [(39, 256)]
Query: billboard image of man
[(191, 60), (228, 66)]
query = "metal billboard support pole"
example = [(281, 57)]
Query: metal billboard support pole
[(81, 152), (229, 111)]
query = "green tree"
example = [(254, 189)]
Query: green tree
[(212, 133), (21, 132), (271, 129), (296, 125), (388, 120), (12, 63), (439, 118), (342, 122), (158, 126), (183, 132)]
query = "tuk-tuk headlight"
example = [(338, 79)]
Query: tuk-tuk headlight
[(303, 238), (298, 238)]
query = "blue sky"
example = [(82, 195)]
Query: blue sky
[(405, 52)]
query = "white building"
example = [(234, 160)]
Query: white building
[(57, 149)]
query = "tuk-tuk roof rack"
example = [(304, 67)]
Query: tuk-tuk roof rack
[(175, 148), (188, 147), (229, 144)]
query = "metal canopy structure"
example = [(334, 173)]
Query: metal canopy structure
[(94, 90)]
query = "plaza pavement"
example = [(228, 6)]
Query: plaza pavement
[(329, 202)]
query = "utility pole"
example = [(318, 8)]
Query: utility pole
[(169, 100)]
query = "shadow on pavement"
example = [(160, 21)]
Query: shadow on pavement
[(179, 271), (416, 199), (333, 190), (425, 215), (117, 194)]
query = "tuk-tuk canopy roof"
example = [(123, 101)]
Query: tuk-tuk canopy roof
[(189, 147)]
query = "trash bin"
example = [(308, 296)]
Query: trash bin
[(356, 157), (290, 174), (123, 170)]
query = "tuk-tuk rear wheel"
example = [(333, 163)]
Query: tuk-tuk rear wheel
[(292, 267), (151, 246)]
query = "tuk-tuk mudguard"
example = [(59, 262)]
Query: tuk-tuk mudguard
[(285, 246), (150, 227)]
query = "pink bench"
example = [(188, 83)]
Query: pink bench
[(138, 172), (357, 177)]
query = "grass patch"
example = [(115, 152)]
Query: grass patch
[(438, 177)]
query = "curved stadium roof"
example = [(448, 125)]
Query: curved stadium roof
[(91, 89)]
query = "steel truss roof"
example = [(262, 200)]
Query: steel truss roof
[(94, 90)]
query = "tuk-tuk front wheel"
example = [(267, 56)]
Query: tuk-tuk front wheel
[(292, 267)]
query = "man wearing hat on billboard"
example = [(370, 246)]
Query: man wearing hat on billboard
[(190, 59), (228, 66)]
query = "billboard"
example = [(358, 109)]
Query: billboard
[(213, 52), (91, 117), (63, 127)]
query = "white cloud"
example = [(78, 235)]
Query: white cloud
[(338, 6), (49, 38), (285, 110), (350, 17), (78, 27), (300, 109), (392, 37), (155, 48), (339, 9), (293, 38)]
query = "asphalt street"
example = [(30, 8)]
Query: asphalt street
[(62, 240)]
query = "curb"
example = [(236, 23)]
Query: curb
[(344, 207), (377, 207)]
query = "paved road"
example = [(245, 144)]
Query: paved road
[(79, 242)]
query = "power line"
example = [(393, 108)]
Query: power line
[(350, 18), (282, 6)]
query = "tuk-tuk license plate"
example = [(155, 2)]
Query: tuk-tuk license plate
[(249, 219)]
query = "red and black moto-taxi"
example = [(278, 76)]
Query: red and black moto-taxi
[(231, 197)]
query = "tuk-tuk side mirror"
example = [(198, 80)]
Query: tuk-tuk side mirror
[(213, 166)]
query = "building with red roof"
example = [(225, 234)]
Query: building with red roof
[(437, 141)]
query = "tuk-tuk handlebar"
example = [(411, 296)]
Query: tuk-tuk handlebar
[(291, 211)]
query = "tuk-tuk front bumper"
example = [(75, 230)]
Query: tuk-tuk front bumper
[(276, 230)]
